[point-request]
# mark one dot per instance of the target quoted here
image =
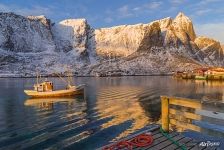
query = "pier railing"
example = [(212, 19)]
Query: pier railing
[(189, 114)]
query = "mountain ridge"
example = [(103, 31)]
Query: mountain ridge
[(158, 47)]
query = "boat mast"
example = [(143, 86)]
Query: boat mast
[(37, 79), (69, 76)]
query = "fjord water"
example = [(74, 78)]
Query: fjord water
[(112, 108)]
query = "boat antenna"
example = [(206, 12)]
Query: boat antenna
[(69, 76), (37, 77)]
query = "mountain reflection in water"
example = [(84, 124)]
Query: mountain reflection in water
[(122, 105)]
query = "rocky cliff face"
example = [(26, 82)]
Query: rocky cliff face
[(158, 47), (20, 34), (74, 33), (210, 50)]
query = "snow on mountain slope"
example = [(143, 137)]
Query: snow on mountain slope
[(75, 31), (71, 36), (125, 40), (211, 50), (183, 23), (28, 44), (20, 34), (159, 47)]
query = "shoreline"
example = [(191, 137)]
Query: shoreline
[(48, 76)]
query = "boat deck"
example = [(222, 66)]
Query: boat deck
[(160, 142)]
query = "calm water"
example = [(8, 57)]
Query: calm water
[(111, 109)]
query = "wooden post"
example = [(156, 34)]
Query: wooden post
[(165, 113)]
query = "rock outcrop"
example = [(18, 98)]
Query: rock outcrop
[(183, 24)]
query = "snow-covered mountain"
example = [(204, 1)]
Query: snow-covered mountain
[(35, 43)]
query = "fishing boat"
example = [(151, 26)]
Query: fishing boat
[(46, 89)]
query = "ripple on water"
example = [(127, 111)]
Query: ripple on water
[(111, 109)]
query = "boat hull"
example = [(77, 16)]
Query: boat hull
[(57, 93)]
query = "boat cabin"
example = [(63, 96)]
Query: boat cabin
[(45, 86)]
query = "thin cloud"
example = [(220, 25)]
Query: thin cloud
[(108, 20), (152, 5), (212, 30), (202, 12), (124, 12), (127, 11), (205, 2), (176, 2), (34, 10)]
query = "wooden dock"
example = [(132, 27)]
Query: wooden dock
[(187, 114), (181, 114), (161, 142)]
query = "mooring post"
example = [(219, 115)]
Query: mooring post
[(165, 113)]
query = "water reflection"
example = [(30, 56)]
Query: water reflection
[(47, 103), (122, 105), (113, 108)]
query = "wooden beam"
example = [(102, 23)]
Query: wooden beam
[(185, 103), (184, 114), (185, 125), (165, 113)]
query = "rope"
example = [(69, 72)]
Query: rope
[(164, 133), (141, 140)]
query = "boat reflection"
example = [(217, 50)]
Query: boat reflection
[(47, 103)]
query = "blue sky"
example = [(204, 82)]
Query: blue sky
[(207, 15)]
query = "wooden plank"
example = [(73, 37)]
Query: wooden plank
[(182, 141), (197, 147), (156, 136), (166, 143), (191, 144), (185, 114), (185, 125), (203, 130), (197, 104), (155, 132), (165, 113), (153, 129), (211, 148), (158, 141), (211, 118), (212, 102), (185, 103)]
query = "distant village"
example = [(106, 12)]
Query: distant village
[(211, 73)]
